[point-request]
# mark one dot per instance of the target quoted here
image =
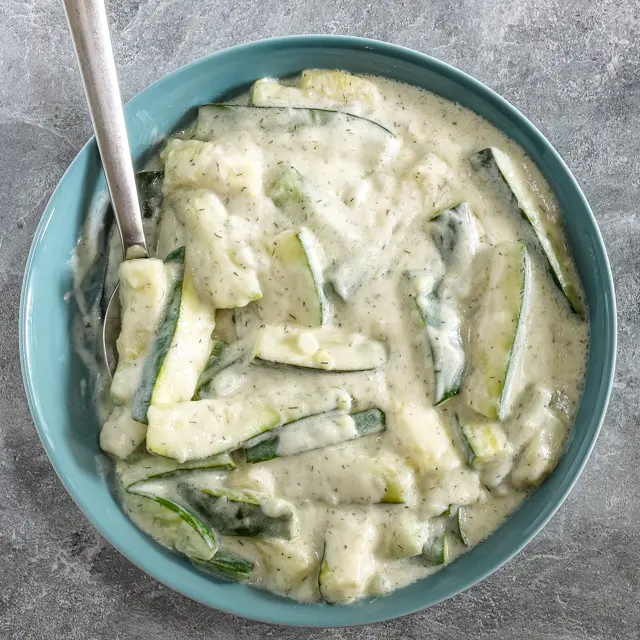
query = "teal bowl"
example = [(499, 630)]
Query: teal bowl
[(55, 378)]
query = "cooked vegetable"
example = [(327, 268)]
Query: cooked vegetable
[(221, 256), (236, 513), (186, 533), (436, 550), (199, 429), (334, 86), (498, 332), (187, 356), (455, 234), (121, 435), (461, 526), (143, 291), (346, 568), (228, 566), (143, 466), (218, 361), (482, 442), (159, 348), (320, 210), (441, 321), (539, 456), (214, 120), (314, 432), (293, 293), (327, 348), (547, 230)]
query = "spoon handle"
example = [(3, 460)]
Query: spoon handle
[(90, 31)]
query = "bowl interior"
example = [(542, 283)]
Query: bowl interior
[(54, 375)]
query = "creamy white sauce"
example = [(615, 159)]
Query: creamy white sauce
[(369, 199)]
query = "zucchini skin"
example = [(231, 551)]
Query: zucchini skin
[(228, 566), (207, 536), (235, 514), (215, 364), (160, 345), (313, 116), (366, 423), (558, 257), (446, 348)]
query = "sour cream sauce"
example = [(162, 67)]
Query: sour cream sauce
[(384, 189)]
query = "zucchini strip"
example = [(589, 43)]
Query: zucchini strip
[(346, 568), (499, 331), (294, 291), (214, 120), (455, 234), (143, 295), (549, 234), (321, 211), (324, 348), (149, 184), (144, 466), (199, 429), (314, 85), (184, 525), (314, 432), (228, 566), (162, 340), (237, 513), (441, 321), (436, 550)]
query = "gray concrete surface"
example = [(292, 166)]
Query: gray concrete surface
[(572, 66)]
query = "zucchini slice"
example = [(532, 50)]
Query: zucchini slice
[(316, 85), (121, 435), (403, 535), (293, 293), (499, 331), (216, 362), (144, 466), (174, 269), (228, 566), (436, 550), (539, 456), (455, 234), (177, 527), (314, 432), (203, 428), (340, 86), (441, 320), (347, 563), (321, 211), (461, 526), (325, 348), (220, 254), (223, 167), (187, 356), (482, 442), (143, 289), (214, 120), (238, 513), (548, 232)]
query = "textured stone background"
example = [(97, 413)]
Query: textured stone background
[(572, 66)]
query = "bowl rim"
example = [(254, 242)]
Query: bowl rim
[(403, 55)]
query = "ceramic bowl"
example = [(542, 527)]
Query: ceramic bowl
[(55, 378)]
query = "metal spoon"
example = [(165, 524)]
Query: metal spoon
[(90, 32)]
